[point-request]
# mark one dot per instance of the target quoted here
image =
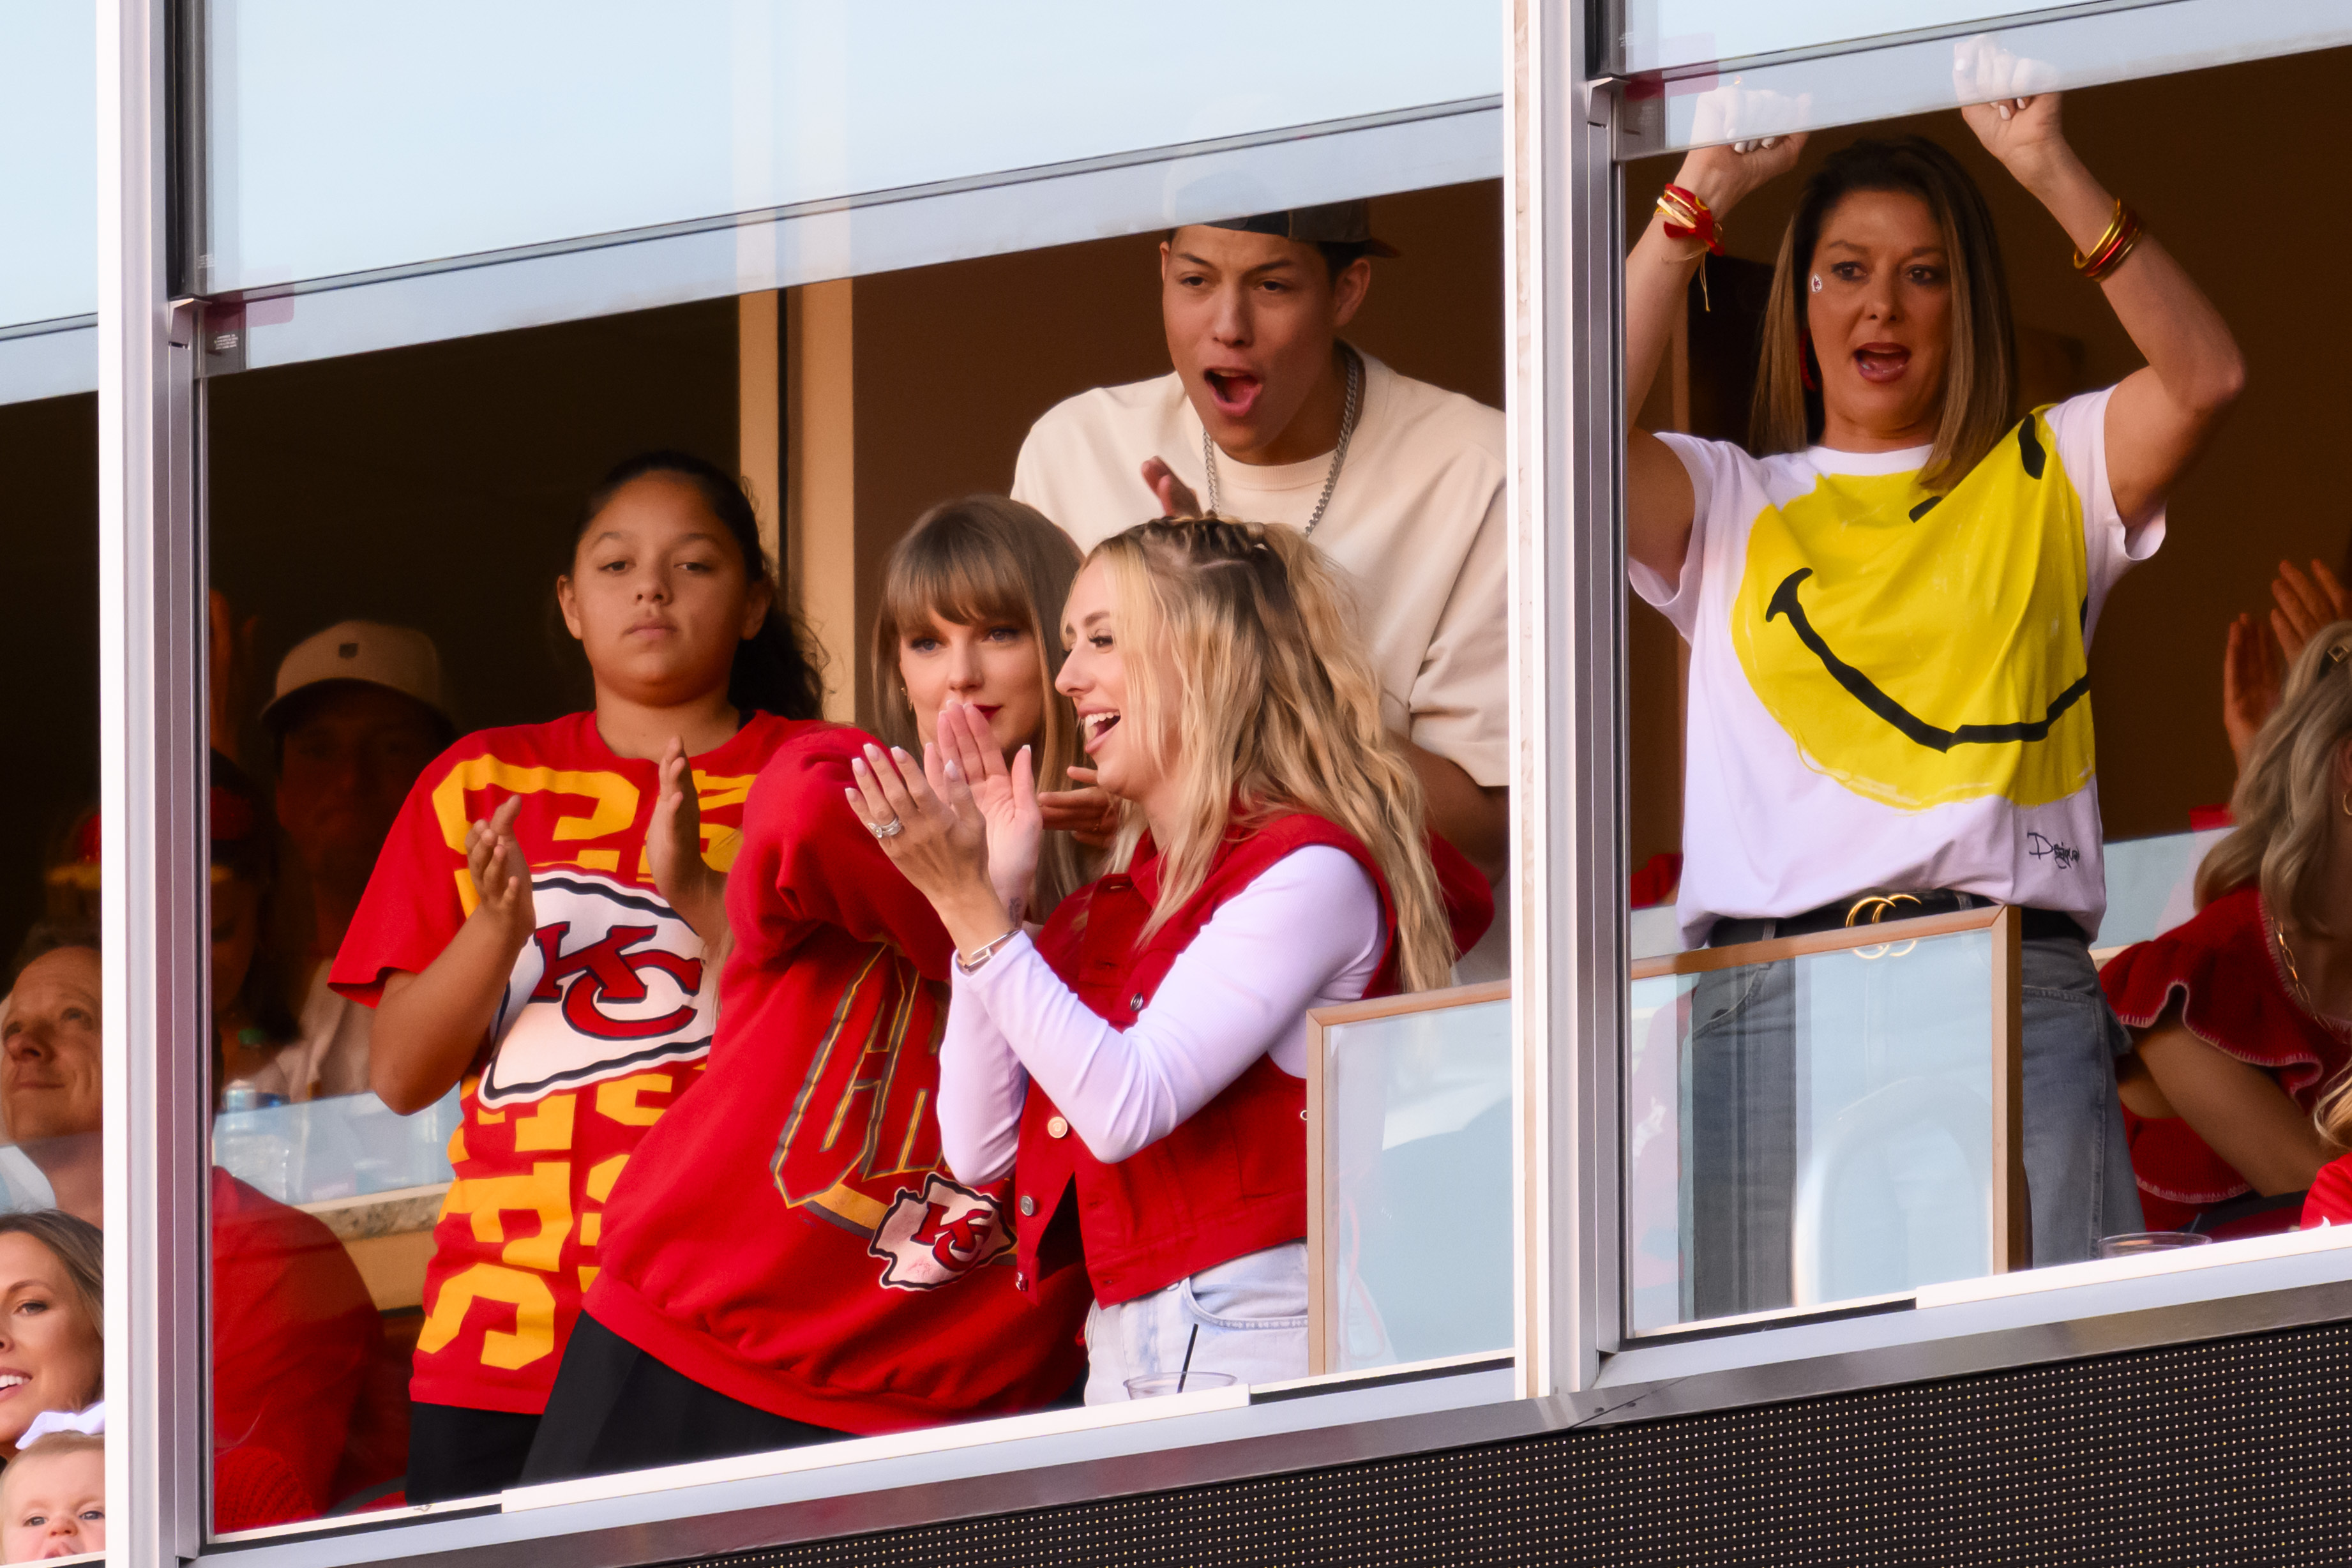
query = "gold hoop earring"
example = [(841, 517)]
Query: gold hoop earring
[(2346, 802)]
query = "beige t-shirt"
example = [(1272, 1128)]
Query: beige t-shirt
[(1416, 521)]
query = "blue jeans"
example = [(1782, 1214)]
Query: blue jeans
[(2078, 1170), (1743, 1119), (1250, 1311)]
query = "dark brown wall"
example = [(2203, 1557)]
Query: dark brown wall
[(956, 362), (2196, 156), (48, 641), (436, 485)]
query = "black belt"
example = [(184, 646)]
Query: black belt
[(1875, 907)]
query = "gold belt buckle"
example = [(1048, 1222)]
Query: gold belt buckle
[(1878, 904)]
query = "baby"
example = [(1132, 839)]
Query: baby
[(53, 1499)]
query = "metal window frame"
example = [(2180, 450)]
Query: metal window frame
[(154, 910), (1567, 577)]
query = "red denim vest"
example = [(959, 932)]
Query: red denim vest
[(1232, 1179)]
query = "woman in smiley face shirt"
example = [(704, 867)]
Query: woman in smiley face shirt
[(1889, 598)]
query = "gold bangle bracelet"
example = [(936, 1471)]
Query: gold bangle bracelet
[(2112, 249)]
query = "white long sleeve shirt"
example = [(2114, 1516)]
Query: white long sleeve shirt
[(1307, 934)]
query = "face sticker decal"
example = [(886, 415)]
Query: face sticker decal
[(1923, 649)]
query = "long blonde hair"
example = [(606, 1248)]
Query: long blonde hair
[(2286, 801), (1276, 708), (988, 559), (1979, 376)]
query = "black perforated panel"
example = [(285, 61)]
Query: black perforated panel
[(2225, 1453)]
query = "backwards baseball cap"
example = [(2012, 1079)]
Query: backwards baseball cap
[(401, 657), (1334, 222)]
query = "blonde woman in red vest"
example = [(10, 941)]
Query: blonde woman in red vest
[(1139, 1066)]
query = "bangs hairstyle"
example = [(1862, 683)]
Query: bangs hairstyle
[(775, 670), (987, 560), (1277, 709), (1980, 372)]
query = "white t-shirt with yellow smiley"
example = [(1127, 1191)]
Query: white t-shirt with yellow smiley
[(1889, 688)]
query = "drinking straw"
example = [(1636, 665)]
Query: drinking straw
[(1185, 1371)]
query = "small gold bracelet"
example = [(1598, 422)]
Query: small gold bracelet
[(984, 952)]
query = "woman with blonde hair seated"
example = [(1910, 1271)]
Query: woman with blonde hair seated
[(1138, 1069), (2240, 1018)]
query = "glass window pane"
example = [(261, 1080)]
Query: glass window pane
[(340, 144), (1815, 1129), (1660, 35), (347, 658), (2022, 55), (48, 162), (2151, 884), (53, 1018), (1412, 1240), (482, 1229), (2170, 751)]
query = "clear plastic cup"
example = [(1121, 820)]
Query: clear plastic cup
[(1153, 1385), (2133, 1244)]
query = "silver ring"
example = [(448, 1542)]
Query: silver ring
[(890, 829)]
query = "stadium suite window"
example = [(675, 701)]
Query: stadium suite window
[(1819, 1180), (458, 1229)]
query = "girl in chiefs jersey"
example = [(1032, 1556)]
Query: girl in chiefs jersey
[(513, 942), (1272, 860)]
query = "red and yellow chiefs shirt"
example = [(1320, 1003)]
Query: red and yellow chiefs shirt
[(793, 1240), (608, 1019)]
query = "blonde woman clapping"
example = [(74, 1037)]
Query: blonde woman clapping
[(1142, 1061)]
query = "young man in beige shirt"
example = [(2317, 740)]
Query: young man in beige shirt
[(1269, 416)]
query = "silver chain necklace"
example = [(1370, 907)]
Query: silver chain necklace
[(1338, 455)]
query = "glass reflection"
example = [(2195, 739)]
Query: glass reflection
[(1663, 111), (339, 144), (1813, 1129), (1412, 1239)]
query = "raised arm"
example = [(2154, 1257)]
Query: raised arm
[(1658, 494), (2160, 416)]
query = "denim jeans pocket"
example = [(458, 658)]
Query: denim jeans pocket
[(1265, 1290), (1725, 999)]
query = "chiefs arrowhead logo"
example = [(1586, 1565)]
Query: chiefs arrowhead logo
[(935, 1236), (613, 982)]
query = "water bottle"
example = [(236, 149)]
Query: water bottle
[(249, 1138)]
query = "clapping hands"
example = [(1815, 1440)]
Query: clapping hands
[(961, 825), (502, 876), (689, 883), (2255, 665)]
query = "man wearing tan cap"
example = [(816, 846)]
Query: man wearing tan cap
[(1270, 416), (357, 716)]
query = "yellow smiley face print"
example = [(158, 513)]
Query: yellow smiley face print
[(1922, 650)]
